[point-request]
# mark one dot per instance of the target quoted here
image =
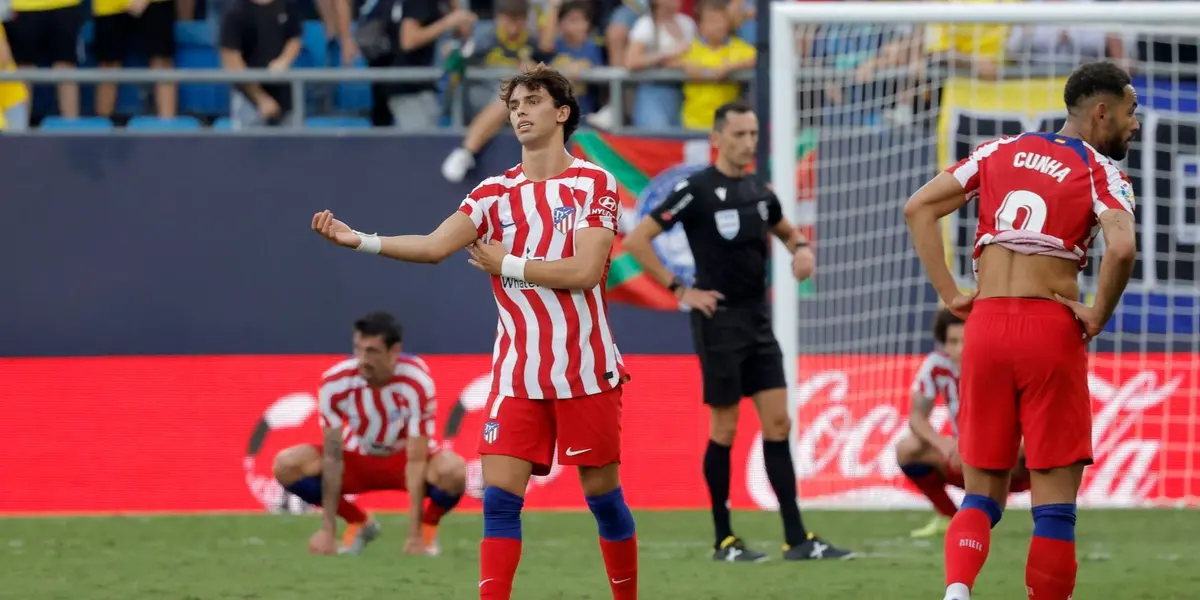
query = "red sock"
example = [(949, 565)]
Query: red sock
[(621, 562), (966, 546), (1050, 569), (351, 512), (498, 560), (933, 486), (433, 513)]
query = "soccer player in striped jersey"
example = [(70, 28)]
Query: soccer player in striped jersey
[(928, 458), (377, 413), (543, 231)]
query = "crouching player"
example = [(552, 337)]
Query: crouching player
[(928, 458), (377, 417)]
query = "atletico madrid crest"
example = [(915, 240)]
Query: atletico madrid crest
[(490, 430), (564, 218)]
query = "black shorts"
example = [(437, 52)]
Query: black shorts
[(739, 356), (151, 35), (44, 37)]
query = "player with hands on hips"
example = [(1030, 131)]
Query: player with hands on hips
[(1041, 198)]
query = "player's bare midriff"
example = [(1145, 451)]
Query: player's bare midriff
[(1003, 273)]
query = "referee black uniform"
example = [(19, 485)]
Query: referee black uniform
[(728, 219)]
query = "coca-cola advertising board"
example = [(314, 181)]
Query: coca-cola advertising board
[(197, 434)]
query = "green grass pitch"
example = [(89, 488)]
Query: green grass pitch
[(1123, 555)]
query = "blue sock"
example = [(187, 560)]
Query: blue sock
[(501, 514), (441, 498), (613, 517), (916, 470), (307, 489), (979, 502), (1054, 521)]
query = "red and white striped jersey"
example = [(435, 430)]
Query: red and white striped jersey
[(549, 343), (1042, 193), (379, 421), (938, 376)]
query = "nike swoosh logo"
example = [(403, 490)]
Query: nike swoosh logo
[(571, 452), (483, 582), (504, 225), (615, 582)]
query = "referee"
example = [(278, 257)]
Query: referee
[(728, 217)]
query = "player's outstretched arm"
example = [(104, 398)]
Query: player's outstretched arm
[(454, 234), (936, 199), (1116, 267), (331, 477), (583, 271), (414, 478)]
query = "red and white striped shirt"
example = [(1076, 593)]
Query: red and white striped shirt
[(379, 421), (1042, 193), (938, 376), (549, 343)]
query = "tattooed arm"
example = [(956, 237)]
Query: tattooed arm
[(918, 421), (331, 477)]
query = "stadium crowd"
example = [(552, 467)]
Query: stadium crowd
[(709, 40)]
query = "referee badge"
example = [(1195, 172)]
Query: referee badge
[(728, 223), (762, 209)]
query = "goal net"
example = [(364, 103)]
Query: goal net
[(890, 93)]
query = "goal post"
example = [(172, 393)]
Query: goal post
[(851, 348)]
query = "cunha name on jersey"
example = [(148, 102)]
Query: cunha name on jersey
[(1041, 164)]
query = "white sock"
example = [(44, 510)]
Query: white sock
[(957, 591)]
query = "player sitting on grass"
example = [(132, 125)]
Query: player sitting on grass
[(927, 457), (380, 405)]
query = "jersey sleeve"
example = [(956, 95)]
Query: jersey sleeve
[(675, 208), (601, 208), (774, 210), (1111, 189), (923, 381), (966, 171), (330, 416), (477, 204)]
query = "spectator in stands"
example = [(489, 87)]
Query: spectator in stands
[(44, 32), (1060, 49), (336, 16), (14, 97), (507, 45), (121, 25), (566, 34), (260, 34), (712, 58), (977, 48), (658, 40), (413, 28), (616, 34)]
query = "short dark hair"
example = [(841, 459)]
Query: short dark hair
[(512, 8), (711, 5), (555, 84), (1093, 79), (737, 107), (942, 321), (382, 324), (570, 6)]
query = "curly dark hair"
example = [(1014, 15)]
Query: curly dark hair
[(941, 322), (1093, 79), (555, 84), (382, 324)]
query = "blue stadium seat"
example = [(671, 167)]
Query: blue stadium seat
[(313, 46), (196, 48), (82, 123), (222, 124), (157, 124), (196, 34), (353, 97), (336, 122)]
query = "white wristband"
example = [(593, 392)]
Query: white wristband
[(513, 266), (369, 243)]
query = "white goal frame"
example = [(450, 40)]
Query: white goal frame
[(786, 16)]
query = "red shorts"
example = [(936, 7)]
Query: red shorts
[(586, 429), (366, 473), (1024, 373)]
